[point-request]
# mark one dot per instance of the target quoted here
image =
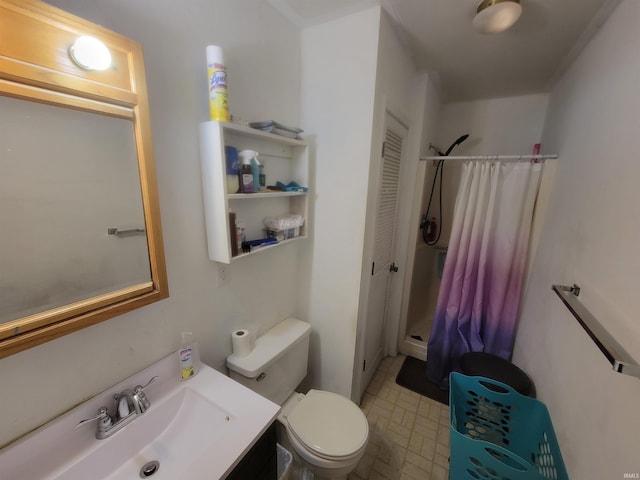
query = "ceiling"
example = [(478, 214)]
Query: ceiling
[(439, 37)]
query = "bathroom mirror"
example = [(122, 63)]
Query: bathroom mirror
[(81, 239)]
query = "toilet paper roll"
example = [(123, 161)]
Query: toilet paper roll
[(242, 343)]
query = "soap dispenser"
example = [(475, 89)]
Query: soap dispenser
[(185, 354)]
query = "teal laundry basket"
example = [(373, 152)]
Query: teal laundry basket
[(499, 434)]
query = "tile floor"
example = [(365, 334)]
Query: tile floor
[(409, 433)]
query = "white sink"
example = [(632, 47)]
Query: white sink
[(196, 428)]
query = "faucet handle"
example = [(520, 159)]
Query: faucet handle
[(103, 418), (139, 388), (143, 403)]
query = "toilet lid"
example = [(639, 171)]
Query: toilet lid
[(329, 424)]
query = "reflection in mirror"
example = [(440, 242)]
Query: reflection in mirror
[(81, 240), (66, 176)]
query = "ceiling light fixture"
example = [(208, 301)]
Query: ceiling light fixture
[(89, 53), (494, 16)]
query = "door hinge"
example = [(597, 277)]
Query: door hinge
[(393, 268), (364, 365), (373, 266), (384, 144)]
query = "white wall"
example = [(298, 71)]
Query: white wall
[(262, 54), (400, 92), (509, 125), (338, 87), (590, 237), (415, 263), (354, 69)]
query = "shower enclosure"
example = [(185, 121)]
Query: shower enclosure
[(429, 259), (511, 125), (425, 281)]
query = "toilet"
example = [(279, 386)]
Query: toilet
[(327, 432)]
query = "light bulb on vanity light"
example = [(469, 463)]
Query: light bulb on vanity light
[(89, 53)]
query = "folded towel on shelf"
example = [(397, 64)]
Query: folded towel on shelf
[(277, 128), (284, 222), (291, 187)]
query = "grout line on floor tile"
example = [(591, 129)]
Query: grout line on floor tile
[(408, 433)]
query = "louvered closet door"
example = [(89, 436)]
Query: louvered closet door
[(382, 264), (387, 201)]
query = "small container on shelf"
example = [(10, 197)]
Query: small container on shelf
[(283, 227), (283, 234), (233, 169), (233, 228), (239, 235)]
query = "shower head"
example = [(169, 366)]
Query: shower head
[(457, 142)]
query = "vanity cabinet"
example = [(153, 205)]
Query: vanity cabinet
[(261, 462), (284, 159)]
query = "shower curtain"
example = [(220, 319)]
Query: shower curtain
[(484, 271)]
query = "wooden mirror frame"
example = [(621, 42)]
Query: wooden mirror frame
[(35, 65)]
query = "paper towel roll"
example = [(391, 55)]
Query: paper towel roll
[(242, 344)]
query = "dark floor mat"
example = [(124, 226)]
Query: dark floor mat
[(413, 376)]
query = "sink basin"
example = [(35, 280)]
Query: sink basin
[(196, 428), (175, 433)]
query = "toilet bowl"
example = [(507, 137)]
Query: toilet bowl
[(325, 431)]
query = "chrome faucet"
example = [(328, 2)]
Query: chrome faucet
[(129, 404)]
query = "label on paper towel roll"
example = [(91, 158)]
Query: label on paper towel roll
[(242, 343), (217, 75)]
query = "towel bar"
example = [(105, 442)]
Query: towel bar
[(119, 233), (620, 359)]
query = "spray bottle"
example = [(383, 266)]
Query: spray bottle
[(249, 171), (217, 75)]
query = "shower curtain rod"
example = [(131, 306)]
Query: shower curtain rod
[(492, 157)]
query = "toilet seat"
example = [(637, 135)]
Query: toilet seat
[(329, 425)]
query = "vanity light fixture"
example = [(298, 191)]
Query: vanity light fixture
[(89, 53), (494, 16)]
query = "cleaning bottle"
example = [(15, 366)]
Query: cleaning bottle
[(245, 176), (263, 178), (217, 75), (248, 184), (255, 169), (233, 164)]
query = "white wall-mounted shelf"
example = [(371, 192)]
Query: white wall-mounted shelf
[(284, 159), (261, 195)]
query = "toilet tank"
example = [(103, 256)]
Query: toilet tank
[(278, 362)]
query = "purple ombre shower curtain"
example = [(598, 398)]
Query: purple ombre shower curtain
[(486, 260)]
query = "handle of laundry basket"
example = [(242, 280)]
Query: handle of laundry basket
[(508, 459), (495, 386)]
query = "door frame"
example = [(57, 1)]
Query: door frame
[(380, 123)]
